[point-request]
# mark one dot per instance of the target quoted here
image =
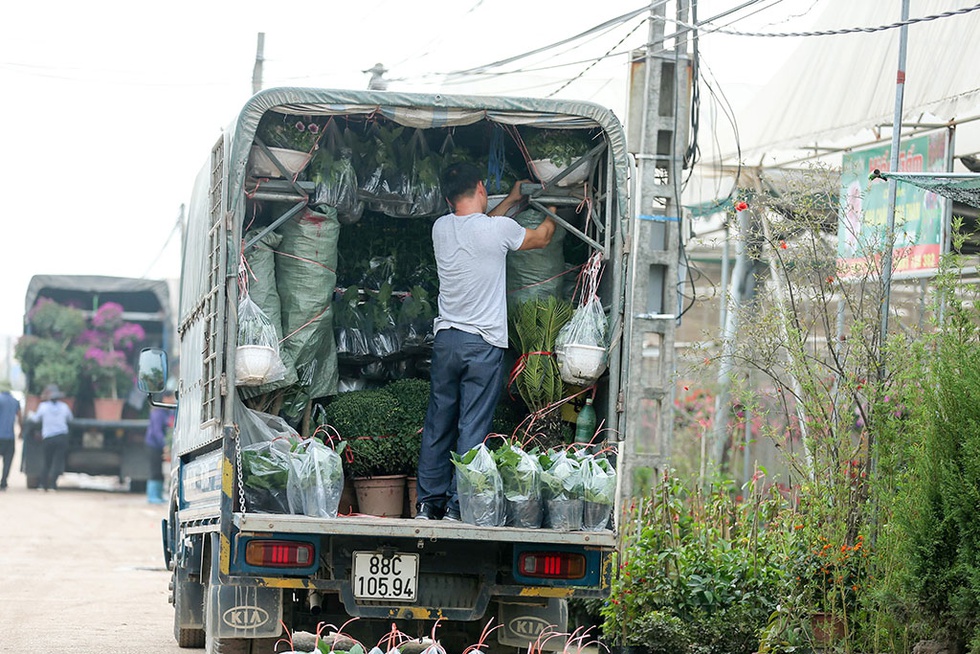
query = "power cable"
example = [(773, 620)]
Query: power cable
[(596, 61), (849, 30)]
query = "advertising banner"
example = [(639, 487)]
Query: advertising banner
[(864, 210)]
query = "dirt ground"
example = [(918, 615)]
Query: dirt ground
[(81, 569)]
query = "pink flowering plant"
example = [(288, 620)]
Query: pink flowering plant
[(111, 344), (290, 132)]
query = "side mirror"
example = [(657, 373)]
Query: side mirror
[(152, 370)]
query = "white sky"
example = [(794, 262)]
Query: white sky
[(110, 108)]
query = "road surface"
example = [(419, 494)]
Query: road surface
[(81, 570)]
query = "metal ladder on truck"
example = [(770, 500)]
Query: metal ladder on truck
[(657, 137)]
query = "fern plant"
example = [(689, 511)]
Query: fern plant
[(535, 324)]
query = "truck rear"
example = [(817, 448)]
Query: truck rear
[(241, 572), (99, 445)]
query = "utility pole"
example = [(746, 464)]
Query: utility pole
[(259, 60), (657, 136)]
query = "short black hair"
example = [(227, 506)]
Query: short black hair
[(460, 179)]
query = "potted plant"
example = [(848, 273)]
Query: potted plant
[(554, 150), (290, 139), (368, 420), (481, 491), (520, 473), (111, 344), (49, 353), (561, 479)]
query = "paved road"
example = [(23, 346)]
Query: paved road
[(81, 570)]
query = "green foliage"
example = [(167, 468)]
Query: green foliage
[(562, 146), (700, 571), (368, 421), (48, 319), (534, 326)]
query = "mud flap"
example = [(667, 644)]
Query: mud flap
[(244, 611), (522, 623)]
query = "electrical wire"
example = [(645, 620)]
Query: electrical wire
[(849, 30), (597, 60)]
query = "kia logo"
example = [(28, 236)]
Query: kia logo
[(245, 617), (527, 626)]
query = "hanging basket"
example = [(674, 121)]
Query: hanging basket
[(260, 165), (546, 171), (253, 363), (581, 364)]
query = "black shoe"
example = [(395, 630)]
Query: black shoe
[(452, 515), (427, 512)]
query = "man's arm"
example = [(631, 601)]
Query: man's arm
[(540, 236), (514, 197)]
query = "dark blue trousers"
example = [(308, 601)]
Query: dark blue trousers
[(467, 376)]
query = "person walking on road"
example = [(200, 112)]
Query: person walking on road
[(161, 419), (9, 414), (54, 415), (471, 247)]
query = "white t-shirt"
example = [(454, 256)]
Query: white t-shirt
[(471, 255), (54, 417)]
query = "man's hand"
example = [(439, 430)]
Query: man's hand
[(513, 197)]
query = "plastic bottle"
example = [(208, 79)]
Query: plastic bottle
[(585, 424)]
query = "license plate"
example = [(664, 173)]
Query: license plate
[(379, 577)]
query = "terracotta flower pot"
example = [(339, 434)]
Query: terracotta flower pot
[(382, 496), (107, 408)]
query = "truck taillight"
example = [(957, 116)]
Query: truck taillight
[(279, 554), (552, 565)]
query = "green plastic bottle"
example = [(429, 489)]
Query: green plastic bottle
[(585, 424)]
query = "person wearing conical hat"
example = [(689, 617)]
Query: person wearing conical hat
[(54, 415)]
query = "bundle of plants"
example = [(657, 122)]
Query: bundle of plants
[(265, 475), (316, 479), (534, 325), (480, 488), (520, 473), (598, 492), (384, 340), (561, 479)]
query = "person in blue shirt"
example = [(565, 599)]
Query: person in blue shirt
[(54, 416), (161, 420), (9, 414)]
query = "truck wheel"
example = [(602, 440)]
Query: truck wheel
[(185, 637)]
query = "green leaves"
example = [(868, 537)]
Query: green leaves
[(534, 326)]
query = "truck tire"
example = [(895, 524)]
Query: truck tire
[(185, 637)]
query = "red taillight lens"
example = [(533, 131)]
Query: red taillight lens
[(552, 565), (279, 554)]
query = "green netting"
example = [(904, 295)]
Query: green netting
[(306, 273), (959, 187)]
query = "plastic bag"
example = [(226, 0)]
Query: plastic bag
[(537, 273), (336, 185), (480, 489), (384, 340), (563, 487), (581, 344), (351, 328), (599, 492), (257, 358), (265, 476), (520, 473), (316, 479)]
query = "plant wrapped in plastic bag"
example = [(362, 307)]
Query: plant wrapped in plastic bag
[(350, 324), (581, 344), (520, 473), (316, 479), (265, 475), (384, 341), (415, 320), (480, 489), (257, 358), (561, 478), (333, 174), (598, 492)]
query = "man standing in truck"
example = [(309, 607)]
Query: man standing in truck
[(471, 247)]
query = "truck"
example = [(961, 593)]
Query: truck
[(100, 446), (243, 578)]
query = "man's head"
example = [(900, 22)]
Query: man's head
[(461, 181)]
